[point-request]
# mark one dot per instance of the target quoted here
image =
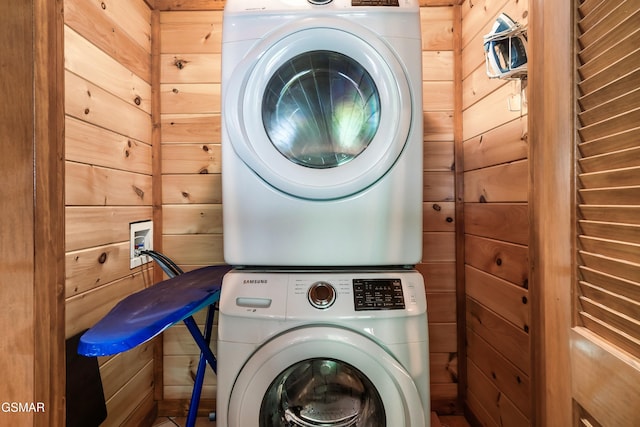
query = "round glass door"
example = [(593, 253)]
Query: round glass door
[(321, 109), (322, 392), (323, 376)]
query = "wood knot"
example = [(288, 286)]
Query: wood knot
[(436, 207), (102, 258), (203, 171), (449, 219), (498, 261), (205, 148), (137, 100), (103, 6), (138, 191), (180, 63)]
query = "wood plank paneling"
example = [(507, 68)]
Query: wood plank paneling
[(130, 396), (506, 377), (192, 219), (438, 125), (503, 259), (503, 183), (438, 276), (89, 62), (204, 5), (93, 185), (88, 102), (501, 106), (506, 338), (114, 220), (439, 216), (98, 25), (108, 179), (190, 128), (190, 46), (500, 221), (86, 143), (191, 158), (503, 144), (199, 188), (491, 401), (190, 98), (504, 298), (84, 310), (89, 268), (495, 153), (191, 32), (437, 28)]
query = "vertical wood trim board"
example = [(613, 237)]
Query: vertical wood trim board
[(32, 226)]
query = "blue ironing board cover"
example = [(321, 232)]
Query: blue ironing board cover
[(143, 315)]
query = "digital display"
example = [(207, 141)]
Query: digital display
[(378, 294)]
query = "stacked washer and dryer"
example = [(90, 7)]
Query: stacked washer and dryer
[(323, 320)]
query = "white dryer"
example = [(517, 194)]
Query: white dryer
[(322, 132), (323, 348)]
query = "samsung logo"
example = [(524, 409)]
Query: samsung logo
[(254, 281)]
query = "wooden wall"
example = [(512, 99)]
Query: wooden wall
[(108, 180), (191, 192), (439, 218), (496, 264), (190, 46)]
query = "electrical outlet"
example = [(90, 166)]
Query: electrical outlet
[(141, 239)]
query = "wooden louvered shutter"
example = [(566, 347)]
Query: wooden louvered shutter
[(605, 351)]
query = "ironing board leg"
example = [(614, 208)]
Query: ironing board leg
[(206, 355)]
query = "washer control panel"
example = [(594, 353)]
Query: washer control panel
[(378, 294), (321, 295), (326, 295)]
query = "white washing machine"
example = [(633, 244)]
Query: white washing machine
[(322, 132), (323, 348)]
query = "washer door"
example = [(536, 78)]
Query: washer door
[(324, 376), (319, 109)]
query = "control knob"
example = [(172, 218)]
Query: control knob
[(322, 295)]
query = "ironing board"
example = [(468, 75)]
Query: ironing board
[(143, 315)]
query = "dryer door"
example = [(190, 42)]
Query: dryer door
[(324, 376), (319, 109)]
